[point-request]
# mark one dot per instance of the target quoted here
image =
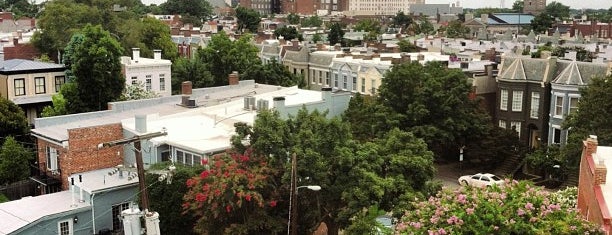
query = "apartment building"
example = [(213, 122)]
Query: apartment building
[(153, 74)]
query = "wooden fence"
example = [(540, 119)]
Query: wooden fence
[(19, 189)]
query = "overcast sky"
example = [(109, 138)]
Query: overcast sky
[(577, 4)]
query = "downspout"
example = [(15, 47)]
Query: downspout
[(93, 214)]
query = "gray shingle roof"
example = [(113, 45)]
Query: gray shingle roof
[(26, 65), (578, 73), (526, 69)]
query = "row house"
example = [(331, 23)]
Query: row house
[(565, 93), (30, 84), (152, 73)]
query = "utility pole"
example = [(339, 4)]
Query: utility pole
[(144, 196), (293, 199)]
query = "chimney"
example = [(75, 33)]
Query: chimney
[(484, 18), (281, 40), (590, 145), (468, 17), (337, 47), (186, 87), (279, 104), (15, 41), (140, 122), (157, 54), (396, 60), (233, 78), (135, 54), (600, 173), (295, 44), (405, 57), (326, 93)]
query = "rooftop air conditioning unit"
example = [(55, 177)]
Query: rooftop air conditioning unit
[(263, 104), (249, 103)]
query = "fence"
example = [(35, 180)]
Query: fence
[(19, 189)]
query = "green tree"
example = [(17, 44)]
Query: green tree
[(223, 56), (197, 8), (167, 199), (13, 121), (273, 73), (456, 29), (368, 25), (401, 20), (406, 46), (369, 119), (248, 19), (57, 108), (14, 161), (96, 69), (433, 102), (193, 70), (424, 27), (590, 119), (313, 21), (293, 18), (148, 34), (518, 6), (316, 38), (136, 92), (288, 33), (541, 23), (557, 10), (336, 34), (515, 208)]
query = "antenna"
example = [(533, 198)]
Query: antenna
[(501, 4)]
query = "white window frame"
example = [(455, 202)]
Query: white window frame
[(194, 158), (19, 86), (503, 99), (148, 84), (70, 227), (518, 127), (121, 207), (571, 109), (554, 128), (517, 101), (40, 86), (503, 124), (52, 158), (558, 111), (162, 83), (535, 105)]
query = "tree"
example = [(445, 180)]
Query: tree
[(424, 27), (96, 69), (336, 34), (369, 119), (13, 121), (223, 56), (556, 10), (542, 22), (433, 103), (248, 19), (273, 73), (193, 70), (293, 18), (196, 8), (316, 38), (148, 34), (456, 29), (518, 6), (515, 208), (58, 106), (590, 119), (401, 20), (167, 199), (288, 33), (406, 46), (237, 189), (368, 25), (14, 161), (313, 21), (136, 92)]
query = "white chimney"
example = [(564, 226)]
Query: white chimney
[(135, 54), (157, 54)]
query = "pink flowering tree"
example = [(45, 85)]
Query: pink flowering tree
[(235, 196), (516, 208)]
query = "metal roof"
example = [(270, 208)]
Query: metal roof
[(15, 65)]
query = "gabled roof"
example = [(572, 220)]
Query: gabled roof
[(515, 71), (21, 65), (578, 73)]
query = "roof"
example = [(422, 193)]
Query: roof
[(578, 73), (604, 153), (20, 65), (28, 210), (509, 18), (99, 180), (525, 69)]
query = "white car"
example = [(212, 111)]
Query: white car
[(480, 180)]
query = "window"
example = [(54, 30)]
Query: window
[(558, 105), (354, 88), (59, 82), (162, 83), (134, 80), (148, 84), (517, 101), (573, 104), (502, 124), (503, 103), (19, 85), (344, 82), (187, 158), (39, 85), (116, 213), (556, 136), (51, 158), (64, 227), (320, 77), (335, 80), (535, 104), (363, 85), (373, 86), (327, 78), (179, 157), (516, 126)]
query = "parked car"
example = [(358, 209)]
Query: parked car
[(480, 180)]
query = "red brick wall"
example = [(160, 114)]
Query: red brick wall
[(590, 196), (21, 51)]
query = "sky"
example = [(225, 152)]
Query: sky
[(576, 4)]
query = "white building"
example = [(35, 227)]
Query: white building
[(380, 7), (154, 74)]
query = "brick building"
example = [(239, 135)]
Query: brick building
[(534, 7), (21, 51), (306, 7), (594, 191), (592, 29)]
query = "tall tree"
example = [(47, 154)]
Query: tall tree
[(456, 29), (273, 73), (313, 21), (367, 25), (557, 10), (336, 34), (288, 33), (423, 27), (14, 161), (148, 34), (406, 46), (293, 18), (248, 19), (200, 9), (97, 71), (434, 104), (193, 70), (58, 106), (222, 56), (542, 22), (518, 6), (401, 20), (13, 121)]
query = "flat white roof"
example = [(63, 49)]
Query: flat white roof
[(19, 213), (99, 180), (604, 153)]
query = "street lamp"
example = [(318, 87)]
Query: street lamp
[(292, 223)]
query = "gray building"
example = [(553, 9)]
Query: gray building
[(435, 9)]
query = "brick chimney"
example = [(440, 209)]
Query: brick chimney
[(295, 44), (233, 78), (186, 87), (600, 173), (590, 145)]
